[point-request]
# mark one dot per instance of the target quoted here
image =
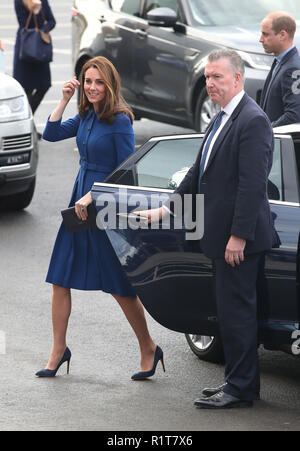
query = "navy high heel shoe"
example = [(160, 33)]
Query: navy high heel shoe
[(52, 373), (142, 375)]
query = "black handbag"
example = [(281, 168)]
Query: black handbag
[(36, 45), (74, 224)]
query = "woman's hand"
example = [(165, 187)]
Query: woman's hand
[(81, 206), (69, 89)]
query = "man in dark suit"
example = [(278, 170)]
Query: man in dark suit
[(231, 171), (280, 96)]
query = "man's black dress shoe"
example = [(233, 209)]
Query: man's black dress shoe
[(222, 400), (213, 391)]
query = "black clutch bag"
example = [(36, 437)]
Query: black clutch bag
[(74, 224)]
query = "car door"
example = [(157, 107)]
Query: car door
[(172, 277), (279, 300), (119, 22), (170, 274), (163, 60)]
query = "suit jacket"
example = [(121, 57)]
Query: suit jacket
[(234, 183), (283, 105)]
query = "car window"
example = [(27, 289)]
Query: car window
[(167, 163), (297, 149), (2, 62), (233, 12), (275, 188), (152, 4), (131, 7)]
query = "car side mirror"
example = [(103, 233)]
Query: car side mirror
[(162, 17)]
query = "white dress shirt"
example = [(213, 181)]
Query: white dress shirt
[(228, 110)]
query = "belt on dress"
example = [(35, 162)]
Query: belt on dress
[(95, 167)]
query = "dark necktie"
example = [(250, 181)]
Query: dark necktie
[(268, 84), (216, 125)]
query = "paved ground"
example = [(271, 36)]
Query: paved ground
[(98, 394)]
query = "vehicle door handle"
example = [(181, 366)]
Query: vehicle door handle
[(141, 34), (113, 39), (131, 216)]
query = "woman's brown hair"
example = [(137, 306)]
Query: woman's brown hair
[(113, 102)]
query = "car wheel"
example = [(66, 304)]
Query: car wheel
[(19, 201), (206, 348), (206, 109)]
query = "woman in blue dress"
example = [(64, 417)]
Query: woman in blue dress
[(34, 77), (86, 260)]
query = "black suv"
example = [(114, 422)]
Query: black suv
[(160, 49)]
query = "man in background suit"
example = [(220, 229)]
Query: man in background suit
[(232, 171), (280, 96)]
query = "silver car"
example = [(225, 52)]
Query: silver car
[(18, 146)]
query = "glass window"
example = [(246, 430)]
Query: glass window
[(297, 149), (233, 12), (275, 178), (167, 163), (152, 4), (131, 7)]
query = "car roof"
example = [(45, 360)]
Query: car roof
[(176, 136), (292, 129)]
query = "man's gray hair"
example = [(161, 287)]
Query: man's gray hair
[(236, 62)]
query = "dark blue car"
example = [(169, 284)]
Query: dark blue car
[(173, 279)]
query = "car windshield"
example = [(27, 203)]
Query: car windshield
[(239, 13)]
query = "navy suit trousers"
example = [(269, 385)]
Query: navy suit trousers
[(236, 295)]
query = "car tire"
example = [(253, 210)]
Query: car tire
[(206, 109), (19, 201), (206, 348)]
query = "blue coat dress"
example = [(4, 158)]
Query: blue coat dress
[(86, 260), (32, 75)]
